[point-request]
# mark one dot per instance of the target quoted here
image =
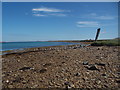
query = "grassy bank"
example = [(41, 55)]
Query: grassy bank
[(112, 42)]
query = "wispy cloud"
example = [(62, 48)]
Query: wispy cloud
[(38, 15), (105, 17), (88, 24), (44, 11), (100, 17)]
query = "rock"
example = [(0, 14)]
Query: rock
[(47, 64), (69, 85), (92, 67), (25, 68), (74, 47), (103, 74), (7, 81), (17, 80), (43, 70), (77, 74), (118, 73), (117, 81), (100, 64), (63, 62), (10, 86), (85, 63)]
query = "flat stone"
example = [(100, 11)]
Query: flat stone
[(100, 64), (25, 68)]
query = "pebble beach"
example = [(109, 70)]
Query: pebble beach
[(71, 66)]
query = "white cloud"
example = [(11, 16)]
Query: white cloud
[(44, 11), (88, 24)]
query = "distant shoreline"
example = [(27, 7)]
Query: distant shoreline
[(23, 50), (74, 42)]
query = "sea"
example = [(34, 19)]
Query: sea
[(22, 45)]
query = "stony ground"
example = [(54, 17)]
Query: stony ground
[(85, 67)]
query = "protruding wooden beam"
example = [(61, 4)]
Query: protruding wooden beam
[(98, 31)]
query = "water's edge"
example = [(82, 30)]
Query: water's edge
[(45, 48)]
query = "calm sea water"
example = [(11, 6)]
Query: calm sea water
[(21, 45)]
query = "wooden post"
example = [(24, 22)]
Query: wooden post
[(98, 31)]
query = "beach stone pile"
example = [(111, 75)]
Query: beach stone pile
[(62, 67)]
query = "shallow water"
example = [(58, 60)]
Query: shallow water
[(20, 45)]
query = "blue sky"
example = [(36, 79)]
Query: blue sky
[(41, 21)]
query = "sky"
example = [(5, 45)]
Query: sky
[(43, 21), (0, 21)]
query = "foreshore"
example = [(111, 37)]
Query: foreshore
[(71, 66)]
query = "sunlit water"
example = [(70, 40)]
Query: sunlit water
[(21, 45)]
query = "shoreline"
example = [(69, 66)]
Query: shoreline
[(78, 45)]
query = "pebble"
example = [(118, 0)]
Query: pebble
[(85, 63), (92, 67), (117, 81), (100, 64), (7, 81), (103, 74), (25, 68), (47, 64), (43, 70), (69, 85), (77, 74), (10, 86)]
